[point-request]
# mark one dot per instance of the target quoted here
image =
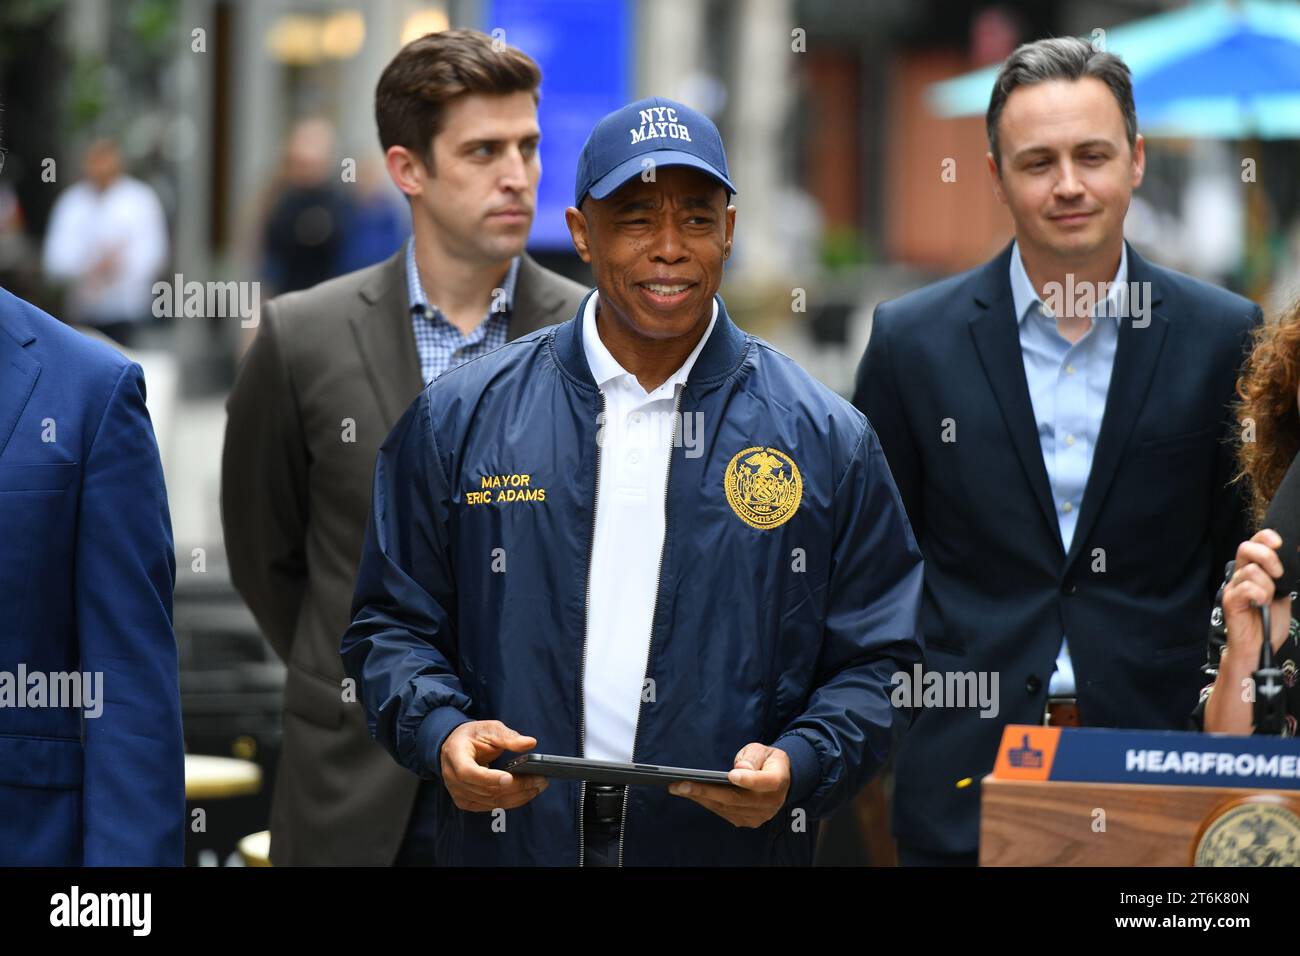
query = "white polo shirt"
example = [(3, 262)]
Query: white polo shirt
[(635, 438)]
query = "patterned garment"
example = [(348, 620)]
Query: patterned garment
[(1287, 658), (440, 344)]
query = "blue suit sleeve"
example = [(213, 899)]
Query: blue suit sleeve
[(133, 812), (847, 730), (401, 648)]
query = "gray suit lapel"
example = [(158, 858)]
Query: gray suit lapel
[(538, 302), (381, 323)]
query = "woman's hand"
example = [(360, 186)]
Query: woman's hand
[(1252, 586), (1230, 708)]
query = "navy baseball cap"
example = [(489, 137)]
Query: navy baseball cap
[(663, 130)]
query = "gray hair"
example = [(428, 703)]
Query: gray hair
[(1060, 58)]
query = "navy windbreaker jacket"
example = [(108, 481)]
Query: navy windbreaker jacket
[(789, 594)]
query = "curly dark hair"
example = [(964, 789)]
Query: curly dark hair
[(1267, 391)]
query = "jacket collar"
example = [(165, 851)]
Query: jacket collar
[(385, 338), (538, 300), (723, 352), (1023, 293), (13, 319), (994, 329), (381, 321), (993, 279), (996, 336), (19, 368), (1137, 353)]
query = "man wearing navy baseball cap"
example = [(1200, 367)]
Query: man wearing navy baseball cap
[(650, 133), (671, 546)]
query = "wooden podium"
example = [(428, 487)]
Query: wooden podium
[(1081, 797)]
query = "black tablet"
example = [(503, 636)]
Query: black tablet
[(608, 771)]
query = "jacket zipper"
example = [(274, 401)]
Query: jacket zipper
[(649, 653), (586, 626)]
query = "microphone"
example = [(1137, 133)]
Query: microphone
[(1283, 516)]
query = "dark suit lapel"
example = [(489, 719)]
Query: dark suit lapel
[(381, 323), (997, 340), (537, 303), (1136, 355), (18, 372)]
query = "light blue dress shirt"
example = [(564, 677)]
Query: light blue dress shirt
[(1067, 386)]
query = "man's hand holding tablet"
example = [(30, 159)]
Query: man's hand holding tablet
[(473, 785), (748, 795), (761, 776)]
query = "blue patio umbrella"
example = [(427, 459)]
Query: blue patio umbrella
[(1244, 63), (1245, 84), (1226, 70)]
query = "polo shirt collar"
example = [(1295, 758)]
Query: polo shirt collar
[(605, 368)]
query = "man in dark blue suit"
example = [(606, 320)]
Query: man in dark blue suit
[(1057, 423), (91, 757)]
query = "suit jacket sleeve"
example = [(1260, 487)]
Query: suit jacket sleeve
[(1230, 519), (264, 488), (876, 395), (849, 725), (133, 811), (401, 647)]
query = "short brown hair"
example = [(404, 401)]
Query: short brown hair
[(1060, 58), (431, 71)]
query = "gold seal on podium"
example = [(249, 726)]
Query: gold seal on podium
[(1258, 830)]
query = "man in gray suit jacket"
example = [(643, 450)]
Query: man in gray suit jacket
[(331, 370)]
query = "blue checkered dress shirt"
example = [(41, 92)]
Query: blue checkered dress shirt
[(440, 344)]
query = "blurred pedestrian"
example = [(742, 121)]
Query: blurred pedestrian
[(107, 241), (377, 219), (303, 234)]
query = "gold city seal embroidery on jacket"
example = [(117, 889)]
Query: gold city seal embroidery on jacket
[(763, 487)]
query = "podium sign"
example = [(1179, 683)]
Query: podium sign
[(1168, 757), (1099, 797)]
